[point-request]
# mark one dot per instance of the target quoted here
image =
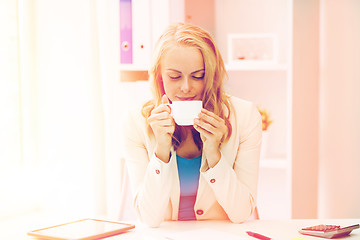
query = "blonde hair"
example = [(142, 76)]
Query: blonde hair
[(214, 97)]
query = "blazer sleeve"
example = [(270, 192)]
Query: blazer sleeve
[(235, 186), (149, 176)]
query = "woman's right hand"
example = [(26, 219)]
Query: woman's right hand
[(163, 126)]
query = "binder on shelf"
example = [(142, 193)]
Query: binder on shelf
[(141, 32), (126, 42)]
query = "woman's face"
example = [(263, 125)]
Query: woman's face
[(182, 71)]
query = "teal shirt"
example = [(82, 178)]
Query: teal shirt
[(189, 172)]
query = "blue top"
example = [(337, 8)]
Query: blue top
[(189, 172)]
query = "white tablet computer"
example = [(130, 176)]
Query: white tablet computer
[(85, 229)]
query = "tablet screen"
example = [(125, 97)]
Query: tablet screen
[(83, 229)]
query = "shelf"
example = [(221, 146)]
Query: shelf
[(255, 67), (278, 163)]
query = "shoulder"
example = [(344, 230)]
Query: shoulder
[(133, 117), (241, 105), (243, 112)]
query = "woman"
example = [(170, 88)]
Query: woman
[(205, 171)]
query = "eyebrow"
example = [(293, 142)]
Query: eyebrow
[(170, 69), (198, 71)]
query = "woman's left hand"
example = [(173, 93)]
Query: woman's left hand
[(213, 131)]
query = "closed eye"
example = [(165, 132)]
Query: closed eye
[(199, 74), (199, 77)]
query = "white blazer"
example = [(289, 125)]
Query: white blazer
[(226, 191)]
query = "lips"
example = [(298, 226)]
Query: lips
[(186, 98)]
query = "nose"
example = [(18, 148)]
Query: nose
[(185, 85)]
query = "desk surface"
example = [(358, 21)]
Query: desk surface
[(277, 229)]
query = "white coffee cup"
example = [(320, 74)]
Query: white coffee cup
[(184, 112)]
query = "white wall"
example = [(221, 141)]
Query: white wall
[(201, 13), (339, 176), (305, 108)]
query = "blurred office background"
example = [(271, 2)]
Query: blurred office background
[(64, 89)]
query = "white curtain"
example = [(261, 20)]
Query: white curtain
[(66, 115), (67, 108)]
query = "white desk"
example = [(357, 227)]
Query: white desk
[(277, 229), (16, 229)]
